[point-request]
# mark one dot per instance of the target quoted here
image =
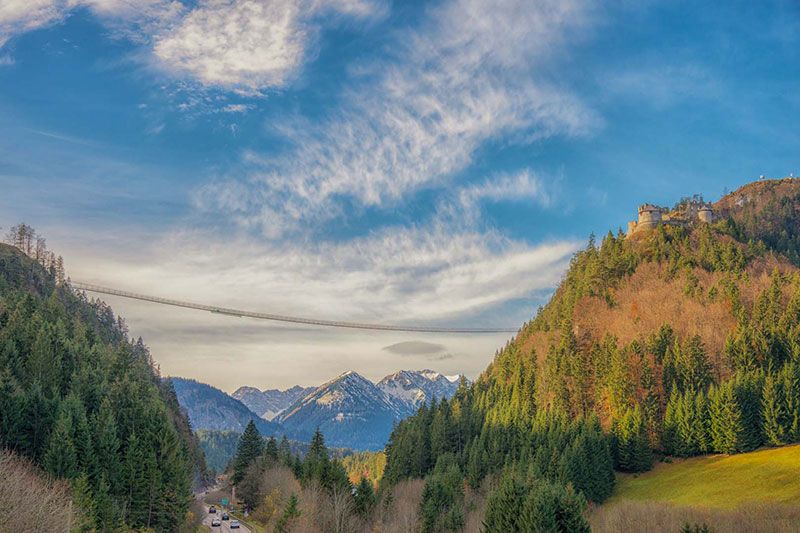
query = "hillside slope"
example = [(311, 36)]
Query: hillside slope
[(209, 408), (756, 491), (83, 401), (681, 337), (721, 481)]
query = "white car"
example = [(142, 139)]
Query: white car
[(216, 522), (234, 524)]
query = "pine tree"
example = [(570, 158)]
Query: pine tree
[(285, 451), (316, 463), (289, 513), (251, 446), (791, 389), (35, 422), (631, 444), (83, 502), (60, 458), (772, 410), (106, 515), (106, 447), (550, 507), (271, 450), (725, 419), (364, 497), (503, 508), (670, 437), (747, 388), (9, 411)]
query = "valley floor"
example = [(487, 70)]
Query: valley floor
[(757, 491)]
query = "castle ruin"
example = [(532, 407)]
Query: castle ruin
[(651, 216)]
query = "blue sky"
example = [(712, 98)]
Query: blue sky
[(419, 162)]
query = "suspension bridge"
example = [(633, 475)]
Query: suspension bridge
[(281, 318)]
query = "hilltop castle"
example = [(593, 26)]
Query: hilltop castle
[(652, 216)]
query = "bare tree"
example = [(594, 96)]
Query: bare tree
[(31, 500), (341, 506)]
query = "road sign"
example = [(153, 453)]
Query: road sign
[(225, 502)]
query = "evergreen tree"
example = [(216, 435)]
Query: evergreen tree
[(772, 411), (271, 450), (549, 507), (251, 446), (289, 513), (83, 504), (60, 459), (364, 497), (106, 446), (725, 419), (747, 389), (285, 451), (316, 464), (791, 394), (504, 505), (630, 442), (9, 412)]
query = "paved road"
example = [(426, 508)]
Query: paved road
[(226, 524)]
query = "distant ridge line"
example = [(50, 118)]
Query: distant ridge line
[(282, 318)]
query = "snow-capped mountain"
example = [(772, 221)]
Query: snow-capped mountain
[(350, 410), (354, 412), (269, 403), (417, 387)]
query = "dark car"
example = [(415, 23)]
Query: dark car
[(212, 510), (224, 515)]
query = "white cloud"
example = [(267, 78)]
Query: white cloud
[(236, 108), (18, 16), (474, 72), (521, 186), (246, 45), (249, 45), (399, 274), (131, 18)]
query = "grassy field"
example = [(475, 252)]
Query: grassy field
[(751, 492), (719, 481)]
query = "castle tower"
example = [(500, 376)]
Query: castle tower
[(649, 217), (705, 214)]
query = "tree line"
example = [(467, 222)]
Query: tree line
[(83, 401)]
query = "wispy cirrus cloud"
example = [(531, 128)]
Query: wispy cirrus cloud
[(396, 275), (244, 45), (131, 18), (18, 16), (472, 73)]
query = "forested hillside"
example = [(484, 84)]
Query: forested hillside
[(680, 340), (83, 401)]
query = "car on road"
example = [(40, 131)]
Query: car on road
[(216, 522), (224, 515), (234, 524), (212, 510)]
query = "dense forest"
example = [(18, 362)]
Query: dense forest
[(85, 403), (680, 341)]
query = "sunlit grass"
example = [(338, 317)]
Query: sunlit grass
[(718, 481)]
